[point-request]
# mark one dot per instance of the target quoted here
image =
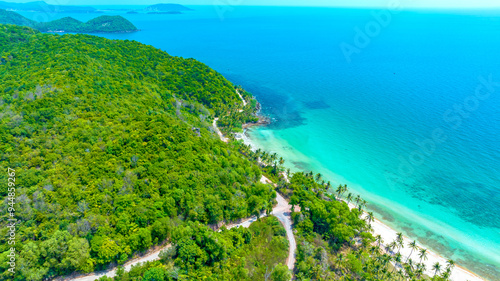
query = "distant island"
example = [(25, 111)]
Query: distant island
[(167, 8), (165, 13), (41, 6), (102, 24)]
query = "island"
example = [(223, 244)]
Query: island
[(8, 17), (41, 6), (101, 24), (112, 152), (165, 13), (167, 8)]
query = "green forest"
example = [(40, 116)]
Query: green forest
[(198, 253), (101, 24), (108, 138), (114, 153)]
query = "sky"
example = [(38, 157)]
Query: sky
[(333, 3)]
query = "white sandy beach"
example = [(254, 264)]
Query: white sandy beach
[(388, 235)]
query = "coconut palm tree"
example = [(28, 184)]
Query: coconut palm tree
[(413, 246), (349, 198), (437, 268), (358, 199), (399, 241), (422, 254), (446, 274), (450, 264), (379, 240), (361, 205), (318, 177), (397, 260), (419, 272), (393, 245), (344, 189), (339, 191)]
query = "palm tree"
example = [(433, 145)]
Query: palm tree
[(397, 260), (349, 198), (420, 272), (274, 156), (339, 191), (369, 217), (328, 185), (422, 254), (413, 246), (361, 205), (450, 264), (399, 240), (423, 267), (318, 177), (409, 270), (344, 189), (437, 268), (410, 264), (446, 274), (393, 245), (379, 240)]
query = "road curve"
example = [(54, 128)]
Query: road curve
[(281, 211)]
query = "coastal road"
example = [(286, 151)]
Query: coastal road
[(281, 211), (242, 99), (221, 136), (152, 256)]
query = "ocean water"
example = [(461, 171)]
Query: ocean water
[(407, 113)]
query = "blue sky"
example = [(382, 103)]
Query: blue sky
[(341, 3)]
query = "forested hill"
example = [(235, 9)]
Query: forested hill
[(102, 24), (41, 6), (111, 148)]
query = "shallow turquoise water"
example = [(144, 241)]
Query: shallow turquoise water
[(361, 122)]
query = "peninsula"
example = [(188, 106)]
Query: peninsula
[(101, 24)]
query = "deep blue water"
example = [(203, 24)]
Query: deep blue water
[(400, 121)]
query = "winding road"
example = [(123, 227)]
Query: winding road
[(281, 211)]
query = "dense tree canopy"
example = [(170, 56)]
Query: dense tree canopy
[(111, 140), (106, 24)]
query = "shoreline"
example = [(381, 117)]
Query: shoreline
[(388, 234)]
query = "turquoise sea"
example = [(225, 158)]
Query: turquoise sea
[(410, 119)]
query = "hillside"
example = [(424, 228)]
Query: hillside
[(67, 24), (41, 6), (7, 17), (111, 144), (108, 24), (113, 152), (102, 24), (167, 8)]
